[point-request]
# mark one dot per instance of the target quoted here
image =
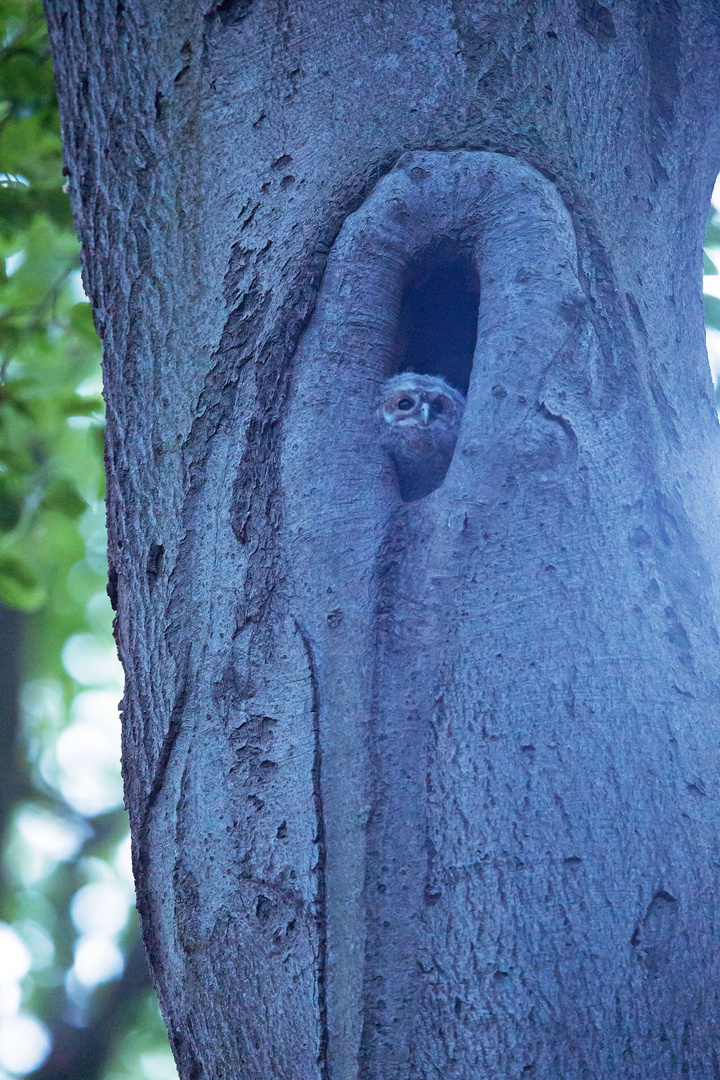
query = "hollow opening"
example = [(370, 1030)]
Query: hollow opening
[(437, 326)]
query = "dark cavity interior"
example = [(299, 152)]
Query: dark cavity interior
[(437, 328)]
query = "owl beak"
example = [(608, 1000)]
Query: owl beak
[(425, 412)]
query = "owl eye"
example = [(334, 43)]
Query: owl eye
[(405, 403), (437, 406)]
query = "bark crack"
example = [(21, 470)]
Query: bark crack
[(320, 892), (173, 730)]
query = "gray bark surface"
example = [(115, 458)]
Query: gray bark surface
[(426, 789)]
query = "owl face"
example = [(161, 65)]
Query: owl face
[(419, 416), (419, 401)]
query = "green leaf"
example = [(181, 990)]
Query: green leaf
[(76, 405), (17, 389), (20, 205), (62, 495), (11, 503), (712, 312), (49, 257), (16, 459), (712, 234), (19, 586), (26, 78), (709, 266), (82, 322)]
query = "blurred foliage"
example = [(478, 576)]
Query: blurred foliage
[(66, 903), (711, 262), (51, 424)]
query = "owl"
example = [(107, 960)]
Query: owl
[(419, 419)]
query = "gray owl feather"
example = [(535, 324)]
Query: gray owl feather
[(420, 419)]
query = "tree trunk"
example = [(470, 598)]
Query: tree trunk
[(423, 789), (12, 769)]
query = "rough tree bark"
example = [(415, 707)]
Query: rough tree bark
[(425, 789)]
